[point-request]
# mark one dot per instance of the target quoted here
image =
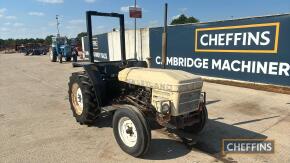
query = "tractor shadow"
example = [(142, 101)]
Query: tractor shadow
[(104, 120), (212, 102), (178, 143), (208, 142), (65, 62)]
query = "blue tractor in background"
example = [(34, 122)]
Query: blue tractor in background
[(60, 49)]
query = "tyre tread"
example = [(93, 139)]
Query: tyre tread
[(91, 108)]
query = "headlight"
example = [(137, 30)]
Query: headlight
[(165, 107)]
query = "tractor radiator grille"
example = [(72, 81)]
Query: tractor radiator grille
[(189, 101)]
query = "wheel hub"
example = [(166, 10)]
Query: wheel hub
[(77, 99), (127, 131), (80, 97)]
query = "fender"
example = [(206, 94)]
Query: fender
[(104, 76), (98, 84)]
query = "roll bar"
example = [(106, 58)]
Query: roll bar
[(89, 15)]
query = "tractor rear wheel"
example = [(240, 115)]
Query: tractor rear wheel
[(198, 127), (131, 131), (84, 104), (75, 56)]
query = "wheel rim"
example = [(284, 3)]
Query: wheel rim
[(77, 99), (127, 131)]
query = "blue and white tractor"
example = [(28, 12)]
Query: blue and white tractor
[(61, 49)]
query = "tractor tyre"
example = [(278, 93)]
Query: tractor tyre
[(83, 101), (131, 131), (52, 57), (68, 59), (198, 127), (75, 56)]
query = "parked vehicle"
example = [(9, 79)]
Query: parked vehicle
[(135, 95), (33, 49), (61, 49)]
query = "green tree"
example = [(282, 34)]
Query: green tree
[(183, 19), (82, 34), (10, 42), (39, 41), (2, 42), (79, 37), (48, 39)]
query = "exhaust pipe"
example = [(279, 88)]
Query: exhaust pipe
[(164, 38)]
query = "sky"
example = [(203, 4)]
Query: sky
[(36, 18)]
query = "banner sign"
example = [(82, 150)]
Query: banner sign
[(100, 47), (252, 49), (253, 38), (135, 12)]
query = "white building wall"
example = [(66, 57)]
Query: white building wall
[(142, 37)]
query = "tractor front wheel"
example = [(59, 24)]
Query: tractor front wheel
[(52, 57), (203, 117), (84, 104), (131, 131)]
